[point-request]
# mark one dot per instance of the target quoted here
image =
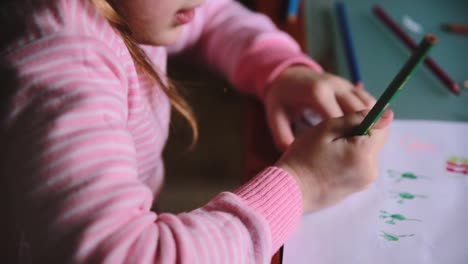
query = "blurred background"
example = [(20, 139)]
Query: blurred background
[(216, 163)]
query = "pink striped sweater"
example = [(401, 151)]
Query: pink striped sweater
[(84, 138)]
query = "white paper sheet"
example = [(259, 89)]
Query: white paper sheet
[(415, 212)]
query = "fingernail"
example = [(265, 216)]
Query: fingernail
[(387, 113)]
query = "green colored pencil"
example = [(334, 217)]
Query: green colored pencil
[(418, 56)]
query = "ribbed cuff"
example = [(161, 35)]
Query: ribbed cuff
[(276, 195)]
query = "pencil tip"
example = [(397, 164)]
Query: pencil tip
[(456, 88), (292, 19), (431, 38)]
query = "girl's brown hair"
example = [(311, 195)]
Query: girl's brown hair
[(111, 13)]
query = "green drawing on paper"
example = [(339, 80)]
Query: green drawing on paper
[(402, 196), (391, 218), (392, 237), (399, 176)]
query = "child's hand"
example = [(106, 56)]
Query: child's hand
[(298, 88), (329, 165)]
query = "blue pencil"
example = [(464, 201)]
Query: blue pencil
[(293, 10), (347, 39)]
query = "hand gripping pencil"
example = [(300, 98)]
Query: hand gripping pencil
[(418, 55)]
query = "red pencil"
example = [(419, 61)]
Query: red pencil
[(430, 63), (455, 28)]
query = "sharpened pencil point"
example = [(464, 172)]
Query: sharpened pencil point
[(431, 38), (292, 19), (456, 89)]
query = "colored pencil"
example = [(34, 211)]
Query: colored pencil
[(395, 86), (345, 29), (293, 10), (430, 63), (455, 28)]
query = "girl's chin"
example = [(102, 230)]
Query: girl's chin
[(167, 38)]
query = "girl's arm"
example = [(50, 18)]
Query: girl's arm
[(258, 59), (245, 46), (73, 176)]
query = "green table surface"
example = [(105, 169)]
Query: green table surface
[(381, 54)]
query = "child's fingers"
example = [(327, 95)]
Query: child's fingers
[(349, 102), (384, 120), (328, 107), (365, 97), (379, 133), (343, 126), (280, 127), (359, 85)]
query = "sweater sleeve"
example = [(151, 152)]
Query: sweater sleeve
[(72, 170), (245, 46)]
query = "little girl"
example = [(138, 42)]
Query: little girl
[(85, 112)]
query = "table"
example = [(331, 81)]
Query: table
[(380, 53)]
